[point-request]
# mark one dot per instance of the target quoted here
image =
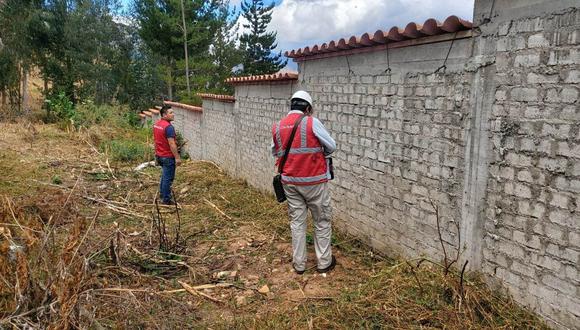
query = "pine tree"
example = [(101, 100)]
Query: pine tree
[(161, 28), (224, 53), (257, 43)]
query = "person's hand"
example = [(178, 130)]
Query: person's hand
[(178, 162)]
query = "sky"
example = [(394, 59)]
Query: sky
[(301, 23)]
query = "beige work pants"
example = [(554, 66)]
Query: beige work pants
[(315, 198)]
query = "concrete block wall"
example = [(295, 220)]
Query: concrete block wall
[(237, 136), (532, 207), (218, 134), (258, 107), (401, 142), (188, 121), (493, 141)]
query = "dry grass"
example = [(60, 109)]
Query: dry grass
[(90, 256)]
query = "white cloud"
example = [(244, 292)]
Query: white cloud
[(301, 23)]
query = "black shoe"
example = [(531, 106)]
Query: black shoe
[(329, 268), (299, 272)]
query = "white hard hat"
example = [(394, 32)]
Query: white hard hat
[(303, 96)]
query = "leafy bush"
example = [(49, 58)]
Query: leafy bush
[(88, 114), (144, 134), (132, 118), (128, 150), (59, 107), (181, 142)]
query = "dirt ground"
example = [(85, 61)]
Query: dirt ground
[(88, 232)]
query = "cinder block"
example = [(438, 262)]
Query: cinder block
[(572, 77), (524, 94), (563, 218), (546, 262), (523, 269), (558, 284), (527, 60), (538, 40), (569, 95)]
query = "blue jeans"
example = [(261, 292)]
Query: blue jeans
[(167, 176)]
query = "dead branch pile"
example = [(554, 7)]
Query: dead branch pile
[(40, 279)]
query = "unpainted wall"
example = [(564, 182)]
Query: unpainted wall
[(489, 147), (190, 123), (531, 212)]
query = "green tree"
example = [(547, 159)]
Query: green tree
[(224, 53), (257, 43), (143, 85), (16, 50), (80, 50), (161, 28)]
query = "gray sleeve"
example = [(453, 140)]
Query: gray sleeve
[(273, 148), (323, 136)]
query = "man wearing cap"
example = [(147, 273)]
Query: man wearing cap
[(166, 152), (304, 178)]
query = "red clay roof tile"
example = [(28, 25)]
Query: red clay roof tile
[(332, 46), (379, 37), (430, 27), (280, 76), (223, 98), (184, 106)]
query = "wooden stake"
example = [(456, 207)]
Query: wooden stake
[(194, 292), (217, 209)]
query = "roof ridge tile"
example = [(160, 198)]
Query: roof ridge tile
[(279, 76), (412, 30)]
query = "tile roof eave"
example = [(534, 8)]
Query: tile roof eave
[(399, 44), (217, 97), (184, 106), (260, 79), (394, 37)]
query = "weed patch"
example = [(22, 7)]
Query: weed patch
[(235, 240), (127, 150)]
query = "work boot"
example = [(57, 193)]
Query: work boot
[(329, 268), (299, 272)]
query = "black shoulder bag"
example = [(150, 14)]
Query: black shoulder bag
[(277, 182)]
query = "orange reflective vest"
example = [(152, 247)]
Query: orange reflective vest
[(305, 164)]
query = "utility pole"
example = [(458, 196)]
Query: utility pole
[(185, 48)]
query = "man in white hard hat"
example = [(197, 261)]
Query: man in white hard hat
[(304, 178)]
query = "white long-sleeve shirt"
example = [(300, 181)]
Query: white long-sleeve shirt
[(327, 142)]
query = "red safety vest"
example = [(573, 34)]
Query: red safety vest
[(162, 148), (305, 164)]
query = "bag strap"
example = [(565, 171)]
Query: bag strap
[(289, 144)]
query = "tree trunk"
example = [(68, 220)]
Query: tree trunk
[(16, 94), (25, 96), (185, 49), (170, 80)]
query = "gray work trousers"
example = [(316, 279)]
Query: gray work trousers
[(315, 198)]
